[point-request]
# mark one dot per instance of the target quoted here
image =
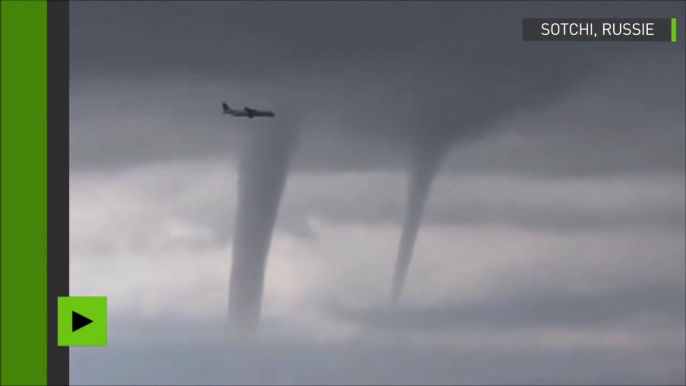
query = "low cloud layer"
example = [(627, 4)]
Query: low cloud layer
[(595, 283)]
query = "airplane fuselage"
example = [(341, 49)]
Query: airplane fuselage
[(246, 112)]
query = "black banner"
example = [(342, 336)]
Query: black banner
[(601, 30)]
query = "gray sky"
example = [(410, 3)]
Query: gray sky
[(553, 245)]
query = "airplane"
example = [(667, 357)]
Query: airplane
[(246, 112)]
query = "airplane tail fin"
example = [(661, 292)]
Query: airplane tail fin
[(226, 109)]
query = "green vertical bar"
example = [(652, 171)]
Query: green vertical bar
[(673, 29), (23, 212)]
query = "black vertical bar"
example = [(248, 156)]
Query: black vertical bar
[(58, 182)]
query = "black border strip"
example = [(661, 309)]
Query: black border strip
[(58, 182)]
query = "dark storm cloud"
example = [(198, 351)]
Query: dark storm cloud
[(244, 38), (388, 73)]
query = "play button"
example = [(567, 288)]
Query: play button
[(79, 321), (82, 321)]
